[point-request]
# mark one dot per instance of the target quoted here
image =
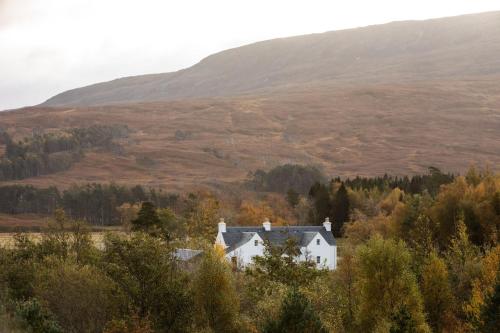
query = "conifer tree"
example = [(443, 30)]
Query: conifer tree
[(147, 218), (341, 208), (296, 316)]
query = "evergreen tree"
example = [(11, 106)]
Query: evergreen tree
[(322, 205), (341, 208), (147, 218), (296, 316)]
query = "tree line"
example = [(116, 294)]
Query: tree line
[(53, 152), (98, 204)]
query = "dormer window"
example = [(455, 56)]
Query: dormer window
[(256, 242), (318, 241)]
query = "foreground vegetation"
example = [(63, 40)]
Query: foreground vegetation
[(410, 262)]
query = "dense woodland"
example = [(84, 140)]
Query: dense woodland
[(46, 153), (97, 204), (409, 262)]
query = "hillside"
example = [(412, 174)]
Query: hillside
[(366, 130), (445, 49), (393, 98)]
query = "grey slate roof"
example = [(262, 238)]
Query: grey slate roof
[(186, 254), (235, 237)]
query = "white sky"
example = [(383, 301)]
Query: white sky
[(48, 46)]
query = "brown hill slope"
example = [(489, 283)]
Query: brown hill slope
[(367, 130), (448, 48)]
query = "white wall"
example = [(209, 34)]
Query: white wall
[(326, 252), (246, 252)]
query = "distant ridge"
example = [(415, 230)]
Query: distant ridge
[(447, 48)]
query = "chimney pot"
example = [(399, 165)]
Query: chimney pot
[(327, 224), (267, 224), (222, 225)]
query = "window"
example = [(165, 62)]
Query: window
[(234, 262), (317, 241), (318, 259), (255, 242)]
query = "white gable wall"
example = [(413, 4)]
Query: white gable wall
[(247, 251), (326, 252)]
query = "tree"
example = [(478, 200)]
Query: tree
[(292, 197), (202, 216), (402, 322), (215, 295), (82, 299), (340, 210), (463, 264), (296, 316), (147, 218), (491, 311), (279, 264), (322, 205), (37, 318), (437, 294), (386, 283), (144, 268)]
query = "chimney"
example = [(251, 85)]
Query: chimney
[(222, 225), (267, 225), (327, 224)]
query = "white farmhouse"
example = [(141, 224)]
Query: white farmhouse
[(241, 244)]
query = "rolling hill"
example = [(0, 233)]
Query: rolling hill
[(448, 48), (393, 98)]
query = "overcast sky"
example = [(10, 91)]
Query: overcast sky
[(48, 46)]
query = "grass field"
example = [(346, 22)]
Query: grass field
[(7, 239)]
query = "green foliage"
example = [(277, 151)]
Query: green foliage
[(215, 295), (386, 283), (82, 298), (296, 316), (292, 197), (418, 184), (437, 293), (402, 322), (322, 203), (37, 318), (491, 311), (54, 152), (148, 221), (145, 270), (95, 203), (282, 178), (340, 210), (278, 264)]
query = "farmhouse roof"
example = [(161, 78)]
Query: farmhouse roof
[(235, 237)]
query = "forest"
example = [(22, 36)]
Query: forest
[(409, 261), (46, 153)]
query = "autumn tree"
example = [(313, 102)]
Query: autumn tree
[(215, 296), (437, 294), (340, 210), (202, 215), (82, 299), (386, 283), (490, 319), (145, 269)]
